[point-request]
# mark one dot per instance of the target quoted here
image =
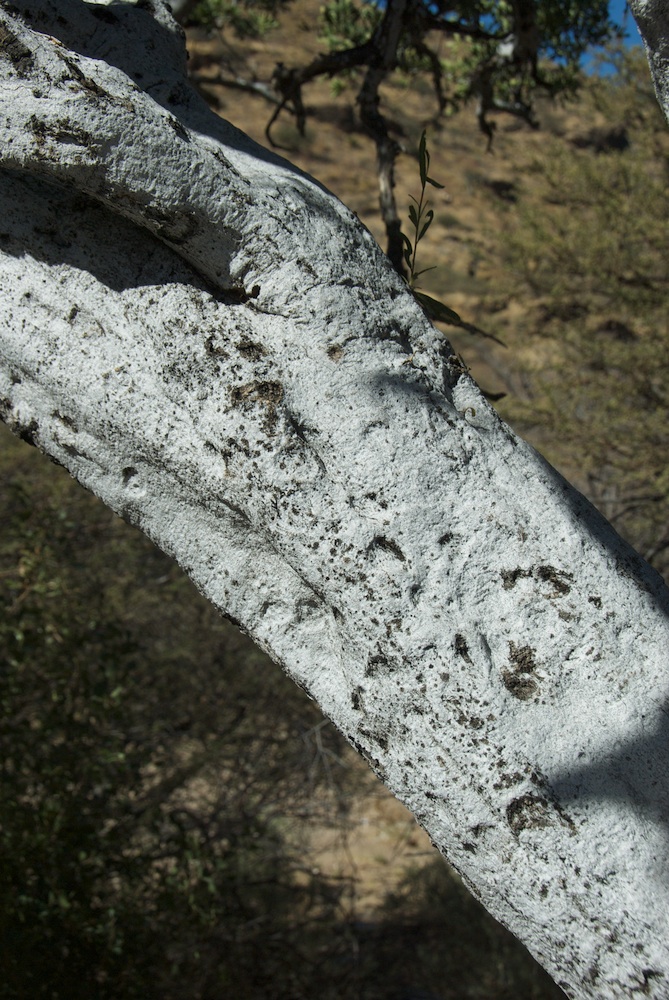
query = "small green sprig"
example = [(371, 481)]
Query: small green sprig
[(421, 217)]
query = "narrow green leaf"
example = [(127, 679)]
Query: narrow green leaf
[(417, 274), (437, 310), (434, 184), (413, 216), (423, 158), (428, 222)]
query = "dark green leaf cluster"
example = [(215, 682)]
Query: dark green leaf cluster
[(247, 18), (498, 50), (344, 23)]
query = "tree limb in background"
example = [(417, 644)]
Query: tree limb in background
[(385, 42), (498, 67)]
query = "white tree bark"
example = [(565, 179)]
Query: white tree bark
[(215, 346), (652, 17)]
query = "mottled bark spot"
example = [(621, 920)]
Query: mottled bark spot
[(557, 579), (518, 677), (379, 541), (250, 350), (528, 812), (18, 54), (510, 577), (461, 648)]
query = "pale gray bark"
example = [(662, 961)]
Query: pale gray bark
[(215, 346), (652, 17)]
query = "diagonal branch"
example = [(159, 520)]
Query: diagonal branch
[(386, 41), (289, 81), (212, 343)]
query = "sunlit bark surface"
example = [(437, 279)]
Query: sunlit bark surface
[(215, 346)]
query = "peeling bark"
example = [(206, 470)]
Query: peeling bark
[(216, 347)]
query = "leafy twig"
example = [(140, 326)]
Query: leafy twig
[(421, 217)]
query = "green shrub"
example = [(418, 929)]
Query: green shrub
[(150, 788)]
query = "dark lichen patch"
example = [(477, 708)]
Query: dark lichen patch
[(446, 537), (510, 577), (596, 600), (506, 779), (557, 579), (335, 352), (378, 664), (65, 420), (38, 129), (461, 648), (518, 677), (376, 737), (27, 432), (356, 698), (18, 54), (544, 573), (522, 657), (540, 781), (528, 812), (520, 686), (269, 393), (84, 82), (250, 350), (213, 349), (471, 721), (63, 132), (648, 974), (381, 542)]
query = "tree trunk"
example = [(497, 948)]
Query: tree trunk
[(652, 17), (215, 346)]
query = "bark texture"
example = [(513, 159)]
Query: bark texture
[(652, 17), (215, 346)]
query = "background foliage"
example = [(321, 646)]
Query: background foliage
[(587, 252), (150, 784)]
